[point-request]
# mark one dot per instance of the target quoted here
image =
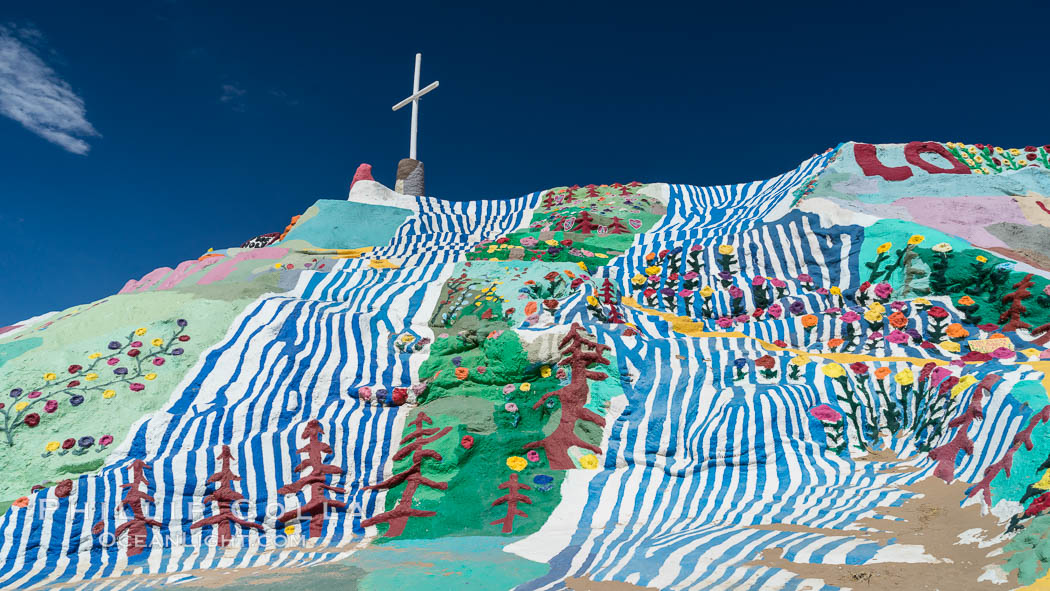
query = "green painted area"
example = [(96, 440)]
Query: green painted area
[(476, 405), (1029, 551), (1026, 464), (553, 223), (10, 350), (69, 342), (331, 223), (985, 282)]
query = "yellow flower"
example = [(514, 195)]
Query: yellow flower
[(800, 360), (19, 407), (877, 307), (971, 150), (600, 255), (964, 383), (49, 376), (150, 376), (873, 316), (588, 462), (582, 266), (157, 342), (981, 259), (904, 377), (517, 463), (950, 346), (1044, 482), (525, 387), (833, 370), (593, 301), (707, 291), (638, 279), (552, 242), (654, 270), (978, 159), (52, 446), (545, 371), (917, 238), (94, 355), (407, 338), (1015, 152), (884, 247), (998, 150), (91, 377), (289, 529), (277, 265), (140, 331), (835, 290), (726, 249), (921, 302), (109, 394)]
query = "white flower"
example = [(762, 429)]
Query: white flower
[(943, 247)]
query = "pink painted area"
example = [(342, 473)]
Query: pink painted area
[(965, 217), (185, 269), (148, 280), (221, 271), (364, 173), (4, 329)]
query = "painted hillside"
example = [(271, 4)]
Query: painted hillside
[(834, 378)]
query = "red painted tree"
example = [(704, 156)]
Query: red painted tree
[(225, 496), (512, 498), (413, 445), (609, 298), (573, 397), (1011, 318), (134, 498), (1007, 461), (617, 227), (584, 223), (946, 454), (316, 481)]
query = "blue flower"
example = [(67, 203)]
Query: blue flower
[(739, 363)]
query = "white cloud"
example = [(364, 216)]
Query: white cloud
[(231, 94), (32, 93)]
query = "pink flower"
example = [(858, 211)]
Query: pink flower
[(883, 291), (775, 311), (758, 281), (158, 361), (897, 337), (136, 387), (508, 388), (1003, 353), (50, 406), (742, 319), (510, 407), (823, 291), (686, 293), (850, 317), (805, 278), (825, 413), (736, 292), (725, 322), (105, 440), (695, 248), (112, 361), (690, 276), (364, 393), (533, 456), (778, 283)]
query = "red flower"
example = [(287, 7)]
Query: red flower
[(765, 362), (649, 292), (663, 253), (758, 312), (566, 242), (550, 304), (32, 419), (780, 343), (629, 332), (73, 384), (400, 395), (74, 368), (864, 286), (576, 283), (184, 337), (467, 442), (859, 368), (938, 312), (69, 443), (502, 240), (134, 353), (551, 276), (1029, 148), (1030, 156)]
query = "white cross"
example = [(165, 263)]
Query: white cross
[(414, 99)]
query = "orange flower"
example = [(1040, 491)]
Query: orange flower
[(898, 320), (570, 274), (650, 256), (462, 373), (835, 343), (530, 308), (21, 502), (956, 331), (966, 301), (809, 321), (882, 372)]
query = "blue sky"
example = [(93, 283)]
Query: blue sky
[(138, 134)]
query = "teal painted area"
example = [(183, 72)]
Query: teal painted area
[(1026, 464), (9, 351), (898, 232), (344, 224), (474, 562)]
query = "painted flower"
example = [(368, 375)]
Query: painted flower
[(109, 393), (942, 247), (94, 355), (467, 441), (724, 322), (904, 377), (136, 387), (52, 446), (706, 292), (956, 331), (140, 331), (859, 368), (20, 406), (916, 239), (884, 247), (873, 316), (545, 372), (809, 321), (113, 345), (825, 413), (50, 406), (938, 312), (797, 307), (525, 387), (150, 376), (69, 443), (510, 407), (86, 441), (882, 372), (735, 292), (91, 377), (49, 376), (31, 420), (726, 249), (775, 311), (833, 370), (897, 337), (20, 502), (517, 463), (589, 461), (533, 455), (177, 351), (105, 440), (462, 373), (981, 259), (883, 291), (638, 280), (120, 371), (800, 360), (805, 278), (835, 343)]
